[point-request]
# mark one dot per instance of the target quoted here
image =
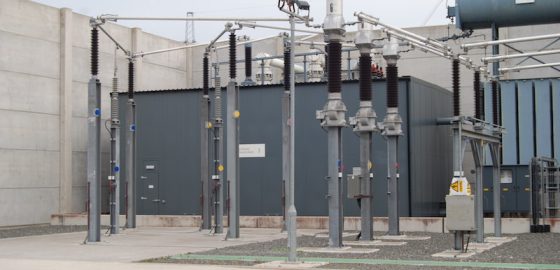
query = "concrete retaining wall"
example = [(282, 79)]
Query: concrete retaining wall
[(408, 224)]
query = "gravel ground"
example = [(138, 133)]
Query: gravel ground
[(10, 232), (528, 248)]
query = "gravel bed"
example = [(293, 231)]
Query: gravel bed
[(10, 232), (528, 248)]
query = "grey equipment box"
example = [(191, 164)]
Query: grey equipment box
[(353, 183), (460, 213)]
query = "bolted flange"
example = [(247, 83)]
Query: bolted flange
[(334, 112), (365, 119), (392, 124)]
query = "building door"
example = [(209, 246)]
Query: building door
[(148, 188)]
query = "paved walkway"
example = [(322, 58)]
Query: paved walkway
[(58, 250)]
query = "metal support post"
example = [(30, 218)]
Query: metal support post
[(336, 217), (114, 177), (393, 193), (292, 212), (497, 190), (204, 168), (94, 160), (286, 153), (218, 176), (477, 147), (94, 142), (457, 171), (366, 212), (233, 158)]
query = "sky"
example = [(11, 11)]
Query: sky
[(400, 13)]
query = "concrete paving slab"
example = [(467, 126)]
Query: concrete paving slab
[(346, 234), (289, 265), (129, 246), (374, 243), (16, 264), (342, 250), (480, 247), (403, 237), (454, 254), (500, 240)]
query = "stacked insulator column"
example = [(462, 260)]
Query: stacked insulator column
[(334, 51), (456, 88), (477, 96), (495, 108), (365, 77), (392, 86)]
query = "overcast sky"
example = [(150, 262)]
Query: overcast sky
[(401, 13)]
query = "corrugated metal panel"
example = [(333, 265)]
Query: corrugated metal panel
[(543, 131), (509, 122), (556, 116), (430, 148), (525, 115), (168, 131)]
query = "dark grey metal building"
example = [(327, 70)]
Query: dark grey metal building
[(169, 165)]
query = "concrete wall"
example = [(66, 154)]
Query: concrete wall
[(44, 70)]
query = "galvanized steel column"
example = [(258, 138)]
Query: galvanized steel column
[(94, 142), (233, 143), (129, 152)]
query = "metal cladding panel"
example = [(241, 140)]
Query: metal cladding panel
[(168, 131), (509, 122), (477, 14), (430, 148), (525, 106), (556, 116), (543, 131)]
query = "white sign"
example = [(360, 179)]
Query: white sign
[(521, 2), (252, 151), (506, 177)]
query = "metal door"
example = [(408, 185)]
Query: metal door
[(523, 188), (148, 188)]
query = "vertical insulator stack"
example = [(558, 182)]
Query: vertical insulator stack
[(456, 88), (392, 86), (218, 99), (205, 78), (94, 51), (365, 77), (477, 96), (287, 69), (114, 101), (334, 51), (232, 56), (495, 111), (248, 61), (130, 80)]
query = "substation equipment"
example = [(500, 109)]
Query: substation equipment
[(464, 210)]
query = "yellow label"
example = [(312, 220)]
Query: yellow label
[(527, 189), (469, 191), (370, 165), (505, 189), (456, 187), (486, 189), (236, 114), (221, 168), (208, 124)]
